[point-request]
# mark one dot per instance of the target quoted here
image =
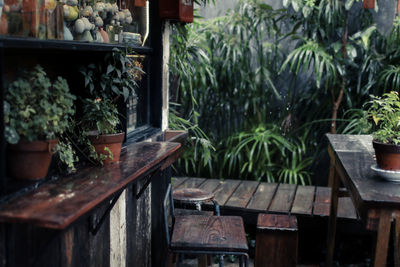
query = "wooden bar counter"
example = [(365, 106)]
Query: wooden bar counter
[(59, 203)]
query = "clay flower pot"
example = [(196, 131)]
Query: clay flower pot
[(387, 156), (30, 160), (112, 141)]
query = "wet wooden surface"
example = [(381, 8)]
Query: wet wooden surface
[(59, 203), (250, 197), (209, 233), (356, 156), (376, 200)]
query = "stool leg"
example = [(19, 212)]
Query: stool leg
[(198, 206), (221, 260), (247, 260), (241, 261)]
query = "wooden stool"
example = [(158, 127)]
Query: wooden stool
[(203, 235), (276, 240), (194, 196)]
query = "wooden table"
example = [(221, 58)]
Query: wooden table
[(377, 201)]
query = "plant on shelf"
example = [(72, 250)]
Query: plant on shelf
[(384, 115), (37, 111), (107, 83)]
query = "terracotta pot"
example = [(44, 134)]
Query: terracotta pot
[(112, 141), (30, 160), (387, 156)]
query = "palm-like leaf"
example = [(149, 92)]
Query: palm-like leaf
[(312, 54)]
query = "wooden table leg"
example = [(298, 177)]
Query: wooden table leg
[(332, 220), (382, 240), (396, 239)]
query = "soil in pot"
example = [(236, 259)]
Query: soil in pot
[(387, 156), (30, 160), (112, 141)]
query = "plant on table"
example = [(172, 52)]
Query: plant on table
[(37, 111), (384, 115), (107, 84)]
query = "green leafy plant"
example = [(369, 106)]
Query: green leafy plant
[(263, 153), (384, 114), (100, 115), (109, 83), (37, 108), (197, 157), (115, 77)]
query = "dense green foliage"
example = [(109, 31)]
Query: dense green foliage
[(37, 108), (266, 85), (100, 115)]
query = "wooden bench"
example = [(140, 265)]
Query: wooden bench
[(249, 198)]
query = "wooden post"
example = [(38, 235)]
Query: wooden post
[(276, 240), (332, 220)]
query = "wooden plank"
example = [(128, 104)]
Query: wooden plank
[(322, 201), (262, 197), (346, 208), (303, 201), (242, 194), (209, 233), (332, 219), (57, 204), (283, 199), (225, 190), (192, 182), (210, 185), (396, 239), (176, 181)]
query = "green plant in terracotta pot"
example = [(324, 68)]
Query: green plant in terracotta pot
[(100, 122), (37, 111), (384, 115), (108, 83)]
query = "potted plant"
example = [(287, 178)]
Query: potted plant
[(384, 113), (107, 84), (36, 112), (100, 123)]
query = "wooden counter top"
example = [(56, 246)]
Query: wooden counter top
[(59, 203)]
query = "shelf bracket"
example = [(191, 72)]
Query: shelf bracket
[(147, 182), (95, 225)]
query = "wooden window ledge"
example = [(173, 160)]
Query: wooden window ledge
[(59, 203)]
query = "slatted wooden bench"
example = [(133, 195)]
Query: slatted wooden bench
[(249, 198)]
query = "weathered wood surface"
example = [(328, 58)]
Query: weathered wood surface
[(225, 190), (209, 233), (269, 197), (276, 221), (283, 199), (59, 203), (376, 200), (322, 202), (303, 201), (355, 155), (261, 199), (241, 196), (192, 195), (276, 240)]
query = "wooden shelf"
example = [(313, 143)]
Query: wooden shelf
[(59, 203), (32, 43)]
